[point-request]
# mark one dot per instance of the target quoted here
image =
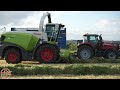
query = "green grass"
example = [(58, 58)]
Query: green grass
[(57, 69), (75, 70)]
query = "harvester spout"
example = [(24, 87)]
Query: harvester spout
[(47, 14), (2, 30)]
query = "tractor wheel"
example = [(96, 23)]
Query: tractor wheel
[(47, 54), (85, 52), (111, 54), (12, 56)]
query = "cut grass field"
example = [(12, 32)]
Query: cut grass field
[(76, 70), (67, 77)]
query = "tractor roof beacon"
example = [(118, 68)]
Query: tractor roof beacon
[(24, 44)]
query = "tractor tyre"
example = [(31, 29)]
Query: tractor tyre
[(85, 52), (111, 54), (47, 54), (12, 56)]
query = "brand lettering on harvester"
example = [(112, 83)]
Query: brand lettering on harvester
[(5, 73)]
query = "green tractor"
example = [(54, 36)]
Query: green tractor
[(19, 46)]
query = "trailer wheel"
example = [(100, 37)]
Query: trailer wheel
[(13, 56), (111, 54), (85, 52), (47, 54)]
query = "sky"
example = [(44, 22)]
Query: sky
[(77, 23)]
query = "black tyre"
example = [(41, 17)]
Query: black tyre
[(85, 52), (13, 56), (47, 54), (111, 54)]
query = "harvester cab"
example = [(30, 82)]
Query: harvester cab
[(50, 29)]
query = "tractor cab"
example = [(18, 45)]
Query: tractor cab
[(52, 30), (97, 42), (93, 39)]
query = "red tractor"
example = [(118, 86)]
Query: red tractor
[(94, 46)]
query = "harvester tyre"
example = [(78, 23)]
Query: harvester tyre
[(47, 54), (12, 56), (85, 52)]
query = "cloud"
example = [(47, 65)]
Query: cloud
[(110, 28), (33, 20), (107, 23), (26, 19), (7, 17)]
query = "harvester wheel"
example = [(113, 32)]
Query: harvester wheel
[(13, 56), (111, 54), (85, 52), (47, 54)]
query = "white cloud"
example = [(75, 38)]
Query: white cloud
[(27, 19), (33, 20), (107, 23), (110, 28), (7, 17)]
